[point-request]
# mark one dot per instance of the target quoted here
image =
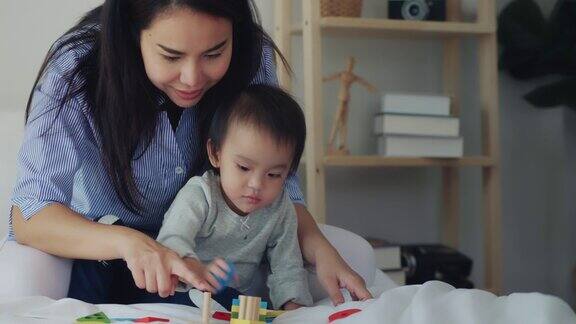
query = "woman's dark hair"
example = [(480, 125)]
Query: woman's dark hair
[(123, 101), (268, 108)]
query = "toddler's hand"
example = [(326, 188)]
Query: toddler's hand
[(222, 273), (291, 306)]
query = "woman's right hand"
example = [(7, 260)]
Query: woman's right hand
[(155, 267)]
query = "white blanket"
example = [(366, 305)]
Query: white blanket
[(433, 302), (438, 302)]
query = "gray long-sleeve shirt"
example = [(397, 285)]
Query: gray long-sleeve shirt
[(200, 224)]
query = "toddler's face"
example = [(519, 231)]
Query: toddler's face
[(253, 168)]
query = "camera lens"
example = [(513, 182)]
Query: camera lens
[(415, 10)]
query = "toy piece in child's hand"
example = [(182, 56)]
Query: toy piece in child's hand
[(230, 274), (94, 318), (342, 314)]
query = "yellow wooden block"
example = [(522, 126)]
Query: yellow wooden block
[(239, 321), (274, 313)]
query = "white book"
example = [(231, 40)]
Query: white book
[(388, 258), (387, 254), (398, 276), (400, 124), (420, 146), (418, 104)]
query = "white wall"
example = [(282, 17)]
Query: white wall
[(27, 29), (537, 147), (11, 124)]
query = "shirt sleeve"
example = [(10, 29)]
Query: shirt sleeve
[(293, 187), (184, 219), (287, 280), (267, 72), (52, 144)]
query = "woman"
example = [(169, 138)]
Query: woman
[(115, 124)]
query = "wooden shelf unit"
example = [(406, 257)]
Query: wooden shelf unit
[(397, 28), (380, 161), (313, 27)]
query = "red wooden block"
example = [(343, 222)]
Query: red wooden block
[(151, 319), (342, 314), (221, 316)]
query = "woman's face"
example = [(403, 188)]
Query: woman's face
[(185, 53)]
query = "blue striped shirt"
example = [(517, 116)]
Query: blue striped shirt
[(60, 158)]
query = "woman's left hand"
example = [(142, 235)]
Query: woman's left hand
[(334, 273)]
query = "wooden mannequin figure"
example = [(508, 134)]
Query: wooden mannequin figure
[(339, 125)]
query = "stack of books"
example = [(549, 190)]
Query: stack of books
[(415, 125), (388, 259)]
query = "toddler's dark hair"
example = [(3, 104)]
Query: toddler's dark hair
[(268, 108)]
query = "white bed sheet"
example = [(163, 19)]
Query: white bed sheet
[(433, 302)]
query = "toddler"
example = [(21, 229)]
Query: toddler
[(239, 210)]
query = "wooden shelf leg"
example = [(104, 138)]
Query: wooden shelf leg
[(312, 48)]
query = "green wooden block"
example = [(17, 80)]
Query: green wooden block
[(94, 318)]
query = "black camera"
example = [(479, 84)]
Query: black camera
[(424, 262), (434, 10)]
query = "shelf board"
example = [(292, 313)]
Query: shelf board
[(383, 161), (343, 26)]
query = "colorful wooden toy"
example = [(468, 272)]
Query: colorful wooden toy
[(248, 310), (270, 315)]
